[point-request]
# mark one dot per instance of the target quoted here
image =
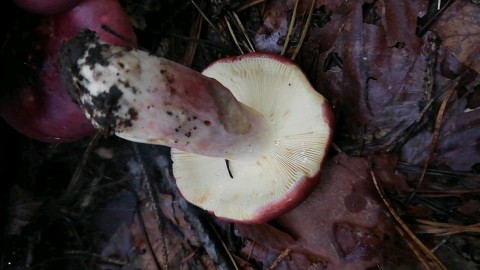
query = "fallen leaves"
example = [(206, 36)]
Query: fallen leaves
[(341, 225), (368, 60), (458, 142), (460, 25), (388, 87)]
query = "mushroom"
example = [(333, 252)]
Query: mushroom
[(248, 137)]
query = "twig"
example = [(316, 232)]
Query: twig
[(280, 258)]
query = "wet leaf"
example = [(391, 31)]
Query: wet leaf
[(382, 73), (340, 226), (270, 37), (379, 76), (458, 145), (459, 28)]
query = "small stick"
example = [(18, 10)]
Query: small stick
[(280, 258)]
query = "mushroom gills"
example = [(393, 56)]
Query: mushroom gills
[(275, 181)]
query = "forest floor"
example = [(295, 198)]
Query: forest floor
[(402, 79)]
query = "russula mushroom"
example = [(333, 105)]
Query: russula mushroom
[(46, 6), (32, 97), (248, 136)]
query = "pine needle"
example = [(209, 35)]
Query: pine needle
[(442, 229), (239, 24), (280, 258), (205, 17), (234, 37), (433, 144), (405, 230), (196, 29), (304, 32), (249, 5), (72, 185), (448, 193), (290, 28)]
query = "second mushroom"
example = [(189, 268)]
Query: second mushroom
[(248, 135)]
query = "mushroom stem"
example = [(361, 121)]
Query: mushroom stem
[(148, 99)]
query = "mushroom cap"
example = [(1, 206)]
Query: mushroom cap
[(259, 189)]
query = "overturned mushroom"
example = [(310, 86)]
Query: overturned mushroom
[(248, 136)]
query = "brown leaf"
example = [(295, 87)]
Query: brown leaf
[(380, 74), (458, 142), (276, 20), (339, 226), (377, 82), (277, 239), (459, 28)]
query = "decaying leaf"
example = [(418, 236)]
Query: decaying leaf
[(459, 139), (340, 226), (380, 76), (460, 25), (386, 83)]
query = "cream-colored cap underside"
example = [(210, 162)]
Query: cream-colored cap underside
[(281, 93)]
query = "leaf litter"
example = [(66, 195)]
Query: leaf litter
[(385, 66)]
